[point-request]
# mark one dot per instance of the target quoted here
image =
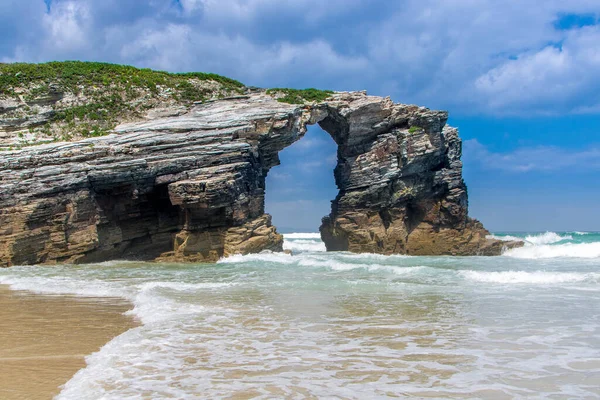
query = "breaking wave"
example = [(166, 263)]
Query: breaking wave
[(574, 250), (535, 239), (304, 245), (554, 245), (312, 235), (547, 238), (323, 315), (536, 277)]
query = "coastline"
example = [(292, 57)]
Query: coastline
[(45, 339)]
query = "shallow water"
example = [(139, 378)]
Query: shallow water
[(340, 325), (44, 339)]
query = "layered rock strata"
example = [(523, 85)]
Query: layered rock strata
[(189, 185)]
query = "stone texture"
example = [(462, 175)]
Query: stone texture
[(401, 188), (188, 184)]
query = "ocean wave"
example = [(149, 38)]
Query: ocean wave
[(337, 265), (67, 286), (572, 250), (265, 256), (534, 239), (372, 256), (536, 277), (505, 238), (183, 287), (546, 238), (310, 235), (153, 306), (150, 305), (304, 245)]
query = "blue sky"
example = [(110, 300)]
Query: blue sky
[(520, 78)]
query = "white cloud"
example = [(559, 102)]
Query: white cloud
[(179, 47), (65, 26), (532, 159), (460, 54), (486, 56), (551, 74)]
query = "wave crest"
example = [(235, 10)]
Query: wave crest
[(546, 238), (572, 250), (304, 245), (536, 277), (534, 239), (311, 235)]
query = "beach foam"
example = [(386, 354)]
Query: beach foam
[(338, 265), (571, 250), (535, 239), (352, 325), (65, 285), (265, 256), (505, 238), (303, 245), (536, 277), (315, 235), (546, 238)]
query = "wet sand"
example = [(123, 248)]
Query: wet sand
[(44, 339)]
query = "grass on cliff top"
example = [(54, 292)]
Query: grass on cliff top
[(300, 96), (72, 75), (103, 94)]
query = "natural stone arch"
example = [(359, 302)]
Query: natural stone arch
[(191, 186)]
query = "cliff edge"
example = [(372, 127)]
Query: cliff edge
[(178, 171)]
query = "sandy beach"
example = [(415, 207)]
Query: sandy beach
[(44, 339)]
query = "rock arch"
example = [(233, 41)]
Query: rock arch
[(191, 186)]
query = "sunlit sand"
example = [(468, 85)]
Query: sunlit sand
[(44, 339)]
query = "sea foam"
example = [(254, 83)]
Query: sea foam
[(312, 235), (338, 265), (572, 250), (353, 325), (68, 286), (304, 245), (265, 256), (534, 239), (547, 238), (524, 277), (153, 304)]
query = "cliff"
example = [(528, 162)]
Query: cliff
[(182, 179)]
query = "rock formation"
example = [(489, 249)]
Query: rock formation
[(188, 184), (400, 178)]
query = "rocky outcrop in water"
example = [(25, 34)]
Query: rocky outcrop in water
[(188, 184), (400, 178)]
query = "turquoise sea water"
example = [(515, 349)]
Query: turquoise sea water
[(341, 325)]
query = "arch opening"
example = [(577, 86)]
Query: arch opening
[(299, 191)]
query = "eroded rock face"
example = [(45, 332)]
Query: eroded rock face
[(401, 188), (188, 185)]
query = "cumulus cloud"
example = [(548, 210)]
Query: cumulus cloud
[(532, 159), (488, 56), (556, 73), (65, 27)]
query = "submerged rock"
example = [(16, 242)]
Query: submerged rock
[(188, 184)]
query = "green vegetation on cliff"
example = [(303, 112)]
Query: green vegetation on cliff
[(415, 129), (71, 100), (300, 96), (74, 99), (73, 75)]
